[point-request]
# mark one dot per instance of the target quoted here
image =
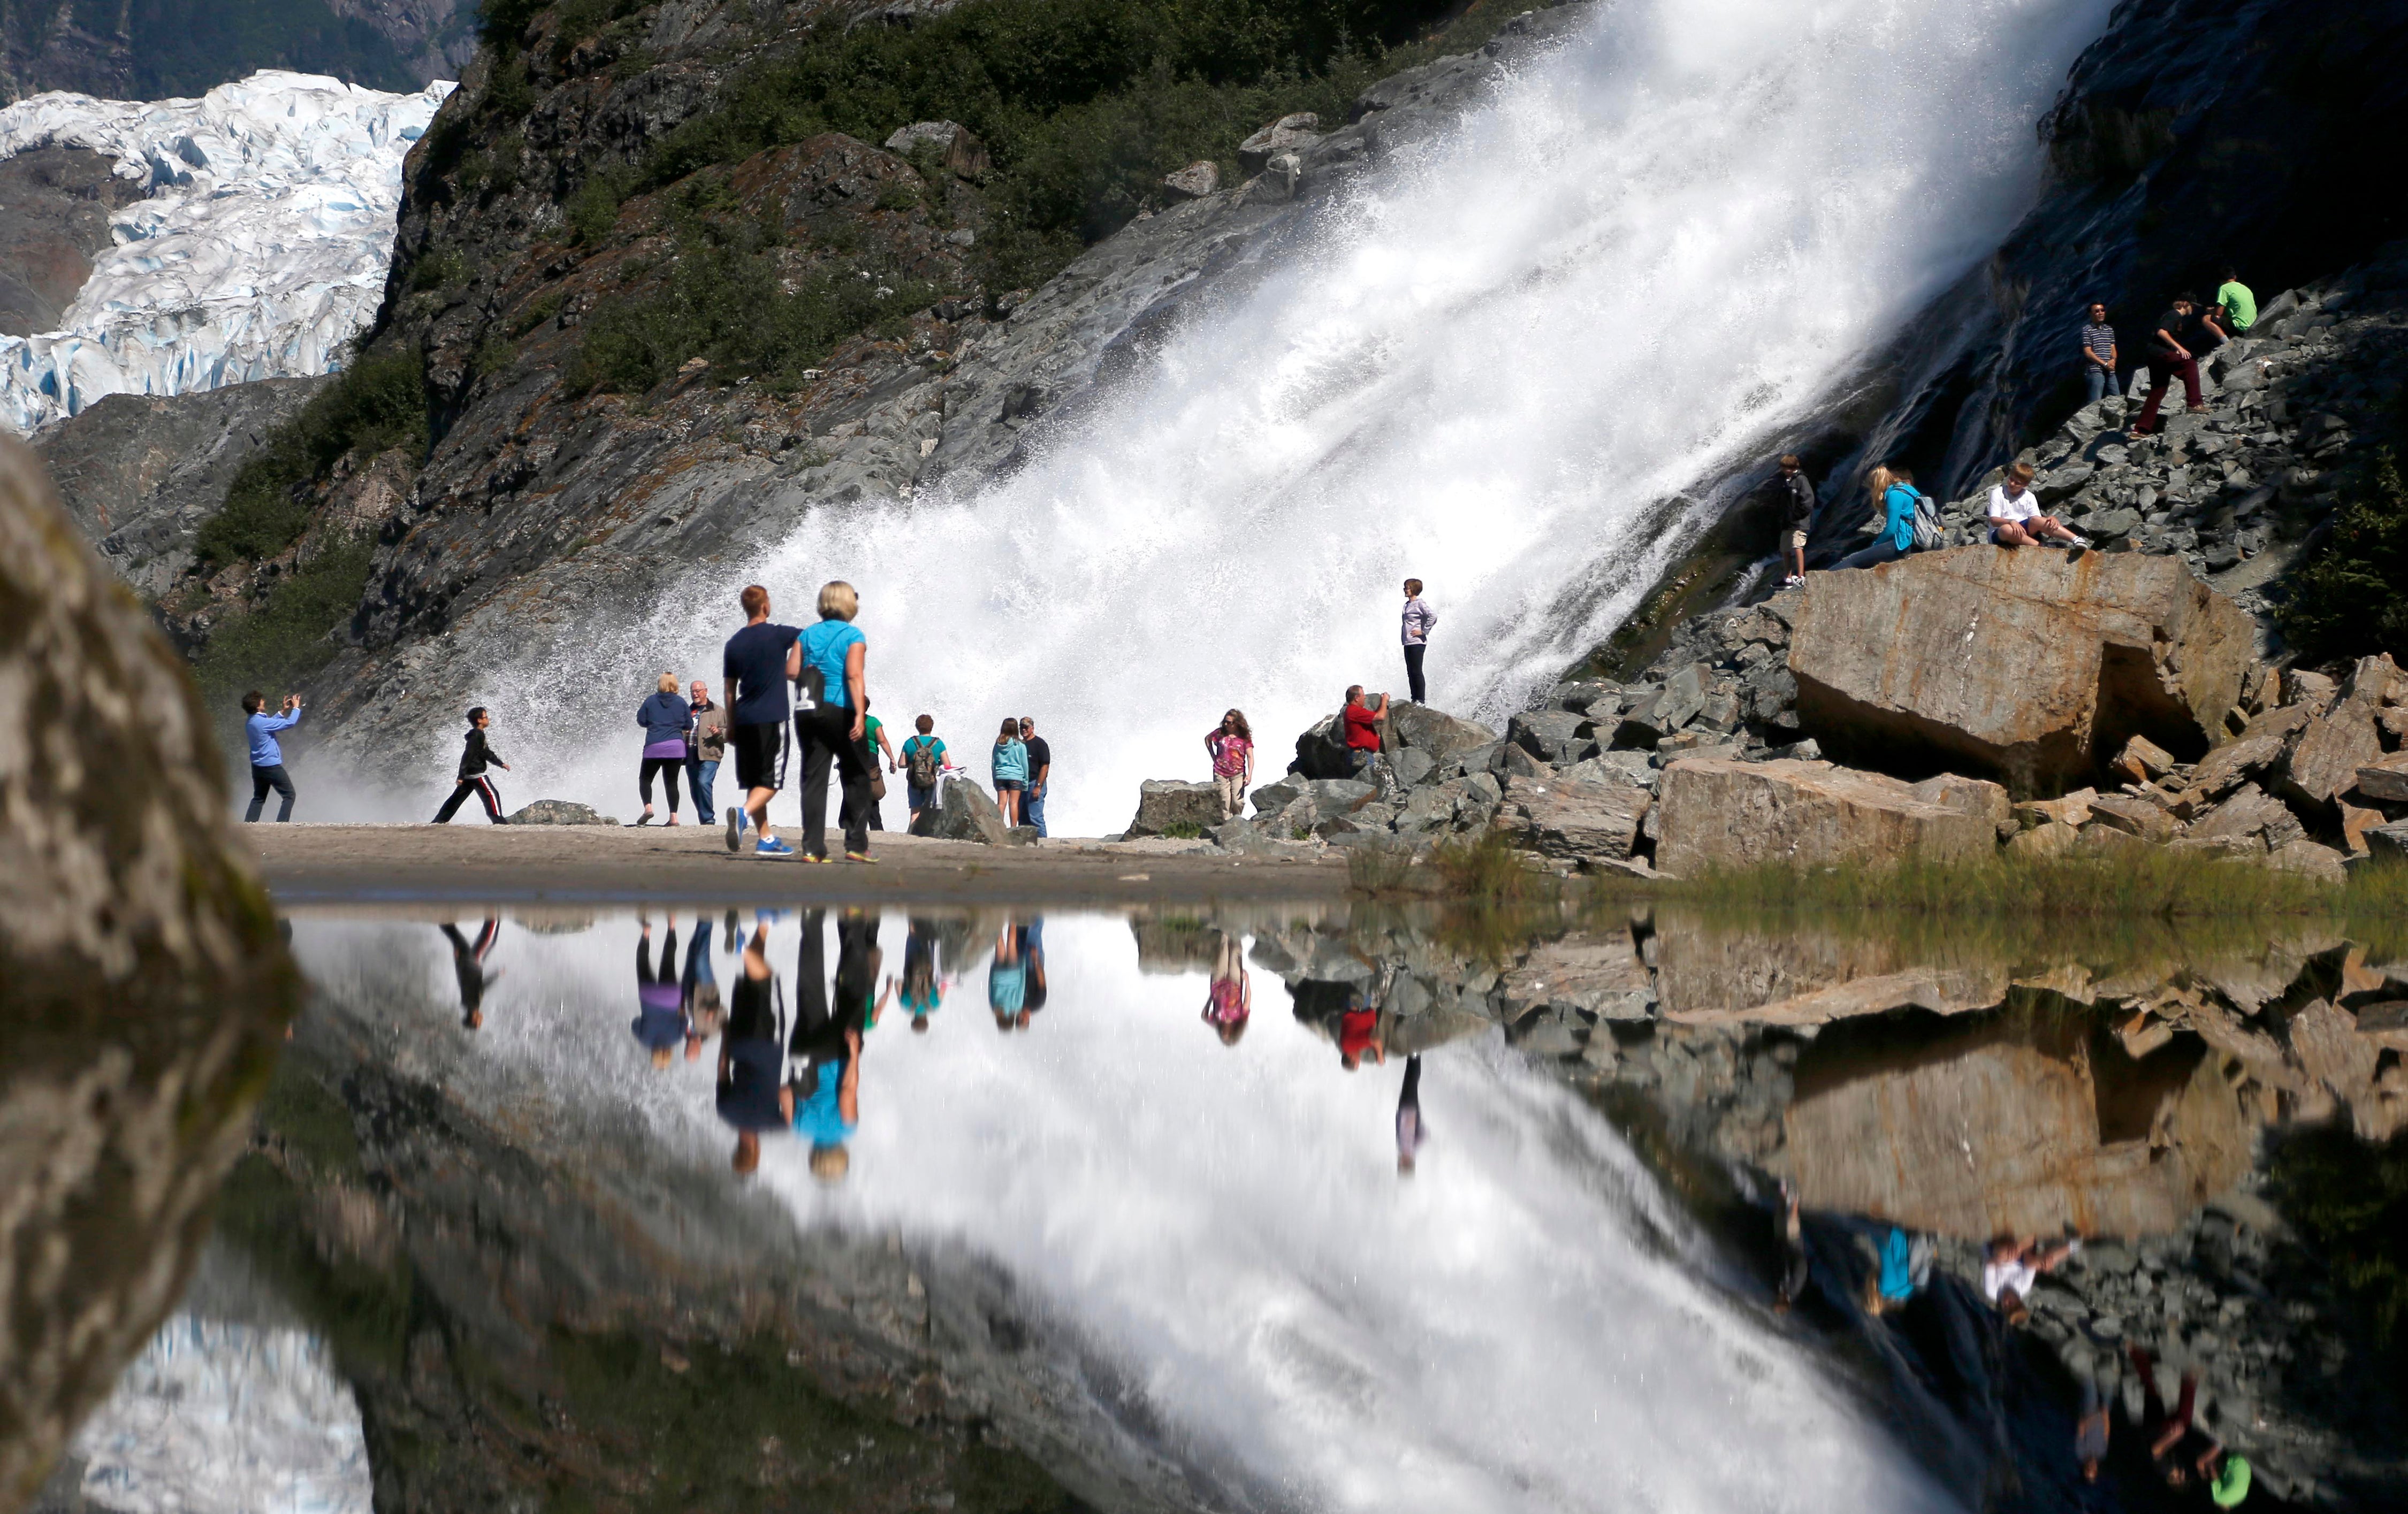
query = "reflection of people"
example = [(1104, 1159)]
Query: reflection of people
[(1904, 1267), (698, 990), (824, 1091), (659, 1006), (2171, 1449), (1007, 981), (1794, 1270), (2011, 1267), (2091, 1430), (753, 1093), (1230, 1001), (1410, 1132), (468, 966), (1032, 956), (922, 992), (1358, 1032)]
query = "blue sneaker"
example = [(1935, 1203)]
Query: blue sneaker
[(769, 846)]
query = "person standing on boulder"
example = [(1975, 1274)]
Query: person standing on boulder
[(758, 664), (1362, 720), (2170, 356), (665, 720), (474, 757), (1231, 744), (706, 748), (833, 676), (923, 759), (1418, 621), (1796, 498), (1897, 539), (1040, 776), (266, 757), (2098, 356), (1009, 766)]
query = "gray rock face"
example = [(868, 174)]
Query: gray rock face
[(54, 209), (145, 986), (142, 473), (1434, 732), (1575, 821), (560, 812), (1164, 805), (964, 812)]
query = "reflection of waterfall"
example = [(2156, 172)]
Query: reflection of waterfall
[(1219, 1234), (1655, 251)]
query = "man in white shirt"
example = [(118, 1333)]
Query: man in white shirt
[(2016, 520), (2011, 1268)]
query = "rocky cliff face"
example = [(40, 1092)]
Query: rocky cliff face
[(548, 500), (152, 49), (54, 209)]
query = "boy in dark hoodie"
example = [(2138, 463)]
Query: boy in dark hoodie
[(475, 757)]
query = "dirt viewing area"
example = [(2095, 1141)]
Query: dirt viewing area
[(304, 863)]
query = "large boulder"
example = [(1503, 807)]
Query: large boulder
[(2021, 666), (1574, 820), (560, 812), (1434, 732), (1716, 812), (2325, 759), (964, 812), (1597, 975), (143, 980), (1321, 751), (1167, 805)]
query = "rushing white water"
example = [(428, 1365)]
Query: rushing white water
[(1525, 1324), (260, 252), (222, 1417), (1651, 254)]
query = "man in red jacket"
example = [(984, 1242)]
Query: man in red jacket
[(1362, 721)]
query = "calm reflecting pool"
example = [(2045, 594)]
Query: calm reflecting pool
[(1284, 1209)]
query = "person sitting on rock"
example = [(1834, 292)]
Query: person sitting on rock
[(1362, 719), (2226, 1476), (2011, 1269), (1794, 1272), (2235, 309), (2016, 520), (1904, 1267), (1897, 493), (1358, 1032)]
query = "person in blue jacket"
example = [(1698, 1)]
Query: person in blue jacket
[(266, 757), (665, 718), (1894, 488)]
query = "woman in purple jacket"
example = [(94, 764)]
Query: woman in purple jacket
[(665, 718)]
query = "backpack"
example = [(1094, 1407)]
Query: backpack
[(1926, 523), (922, 764)]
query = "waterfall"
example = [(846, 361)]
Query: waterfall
[(1495, 366)]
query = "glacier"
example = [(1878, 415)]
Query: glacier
[(260, 252)]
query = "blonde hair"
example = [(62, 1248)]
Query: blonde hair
[(837, 602), (1878, 481), (2021, 473), (668, 683)]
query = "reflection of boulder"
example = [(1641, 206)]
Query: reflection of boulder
[(2019, 1123), (1804, 978), (1174, 944)]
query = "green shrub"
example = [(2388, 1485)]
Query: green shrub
[(724, 301), (594, 209), (2351, 600), (2349, 1203), (1182, 830), (286, 639), (445, 267), (378, 403)]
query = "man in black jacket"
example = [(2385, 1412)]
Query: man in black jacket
[(474, 758), (1796, 499)]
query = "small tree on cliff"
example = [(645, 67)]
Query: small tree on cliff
[(2352, 600)]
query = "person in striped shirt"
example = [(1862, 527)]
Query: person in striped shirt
[(2099, 355)]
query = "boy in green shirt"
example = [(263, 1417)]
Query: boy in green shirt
[(2236, 309)]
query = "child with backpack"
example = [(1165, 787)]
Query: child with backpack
[(923, 760), (1910, 525)]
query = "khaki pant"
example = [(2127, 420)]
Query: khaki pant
[(1233, 794)]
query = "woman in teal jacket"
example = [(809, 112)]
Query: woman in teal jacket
[(1011, 759), (1899, 498)]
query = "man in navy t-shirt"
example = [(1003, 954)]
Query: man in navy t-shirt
[(760, 661)]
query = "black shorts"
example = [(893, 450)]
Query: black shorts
[(760, 755)]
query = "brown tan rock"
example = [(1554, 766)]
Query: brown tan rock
[(2025, 665), (1975, 797), (1574, 819), (1710, 973), (2133, 816), (2142, 761), (2053, 838), (2250, 812), (2354, 823), (142, 983), (2324, 761), (2310, 859), (2312, 690), (1718, 813), (2236, 762), (2072, 810), (2386, 779), (2377, 680)]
